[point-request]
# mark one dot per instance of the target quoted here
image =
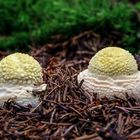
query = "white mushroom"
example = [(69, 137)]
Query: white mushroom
[(20, 76), (112, 71)]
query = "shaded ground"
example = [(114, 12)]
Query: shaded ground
[(64, 111)]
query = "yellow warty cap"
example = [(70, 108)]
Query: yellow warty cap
[(19, 68), (113, 61)]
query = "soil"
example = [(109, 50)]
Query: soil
[(64, 112)]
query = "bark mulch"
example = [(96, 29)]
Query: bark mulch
[(64, 112)]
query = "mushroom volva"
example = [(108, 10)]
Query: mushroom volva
[(111, 72), (20, 75)]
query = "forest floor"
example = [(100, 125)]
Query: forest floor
[(64, 112)]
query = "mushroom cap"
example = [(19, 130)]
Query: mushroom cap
[(113, 61), (20, 77), (20, 69), (112, 71)]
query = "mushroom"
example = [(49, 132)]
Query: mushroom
[(111, 72), (20, 76)]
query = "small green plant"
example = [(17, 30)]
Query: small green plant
[(30, 22)]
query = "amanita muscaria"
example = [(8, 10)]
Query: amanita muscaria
[(20, 75), (113, 71)]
